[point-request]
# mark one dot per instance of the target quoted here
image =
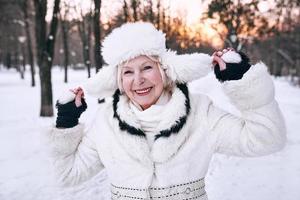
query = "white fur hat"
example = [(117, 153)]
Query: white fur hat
[(142, 38)]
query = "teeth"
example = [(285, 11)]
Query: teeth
[(143, 91)]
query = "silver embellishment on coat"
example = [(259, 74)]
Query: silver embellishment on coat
[(191, 190)]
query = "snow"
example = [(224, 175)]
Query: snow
[(25, 171)]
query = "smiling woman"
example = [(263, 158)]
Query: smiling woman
[(152, 135), (142, 81)]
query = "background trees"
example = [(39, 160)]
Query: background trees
[(240, 20), (84, 25), (97, 35), (265, 30)]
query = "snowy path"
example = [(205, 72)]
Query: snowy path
[(25, 173)]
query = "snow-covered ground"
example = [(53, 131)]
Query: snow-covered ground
[(24, 166)]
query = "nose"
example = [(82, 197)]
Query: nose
[(139, 79)]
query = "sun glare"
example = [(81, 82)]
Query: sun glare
[(263, 6)]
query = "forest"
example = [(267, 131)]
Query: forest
[(36, 35)]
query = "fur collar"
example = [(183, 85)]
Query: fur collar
[(171, 131)]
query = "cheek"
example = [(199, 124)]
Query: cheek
[(126, 83), (156, 79), (159, 87)]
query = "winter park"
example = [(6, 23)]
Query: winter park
[(154, 99)]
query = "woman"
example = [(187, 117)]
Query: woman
[(152, 135)]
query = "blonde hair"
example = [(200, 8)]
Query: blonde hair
[(167, 82)]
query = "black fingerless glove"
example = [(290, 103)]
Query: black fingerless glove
[(233, 71), (68, 114)]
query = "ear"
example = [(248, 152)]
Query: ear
[(103, 84), (187, 67)]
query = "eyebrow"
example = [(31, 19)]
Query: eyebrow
[(125, 66)]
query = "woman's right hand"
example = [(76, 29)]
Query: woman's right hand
[(69, 112), (217, 60)]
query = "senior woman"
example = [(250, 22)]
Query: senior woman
[(153, 136)]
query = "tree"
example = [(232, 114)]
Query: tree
[(45, 51), (287, 30), (158, 14), (97, 35), (125, 11), (84, 31), (65, 27), (148, 14), (134, 6), (240, 20), (21, 66), (25, 7), (11, 20)]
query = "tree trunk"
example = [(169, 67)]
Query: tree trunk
[(85, 39), (23, 64), (89, 32), (97, 35), (158, 15), (163, 19), (151, 14), (125, 11), (8, 60), (29, 44), (46, 89), (45, 51), (134, 5), (297, 41), (64, 27), (40, 7), (16, 60)]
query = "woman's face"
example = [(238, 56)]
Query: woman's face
[(142, 81)]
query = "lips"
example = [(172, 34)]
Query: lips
[(143, 91)]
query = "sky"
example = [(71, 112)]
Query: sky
[(190, 9)]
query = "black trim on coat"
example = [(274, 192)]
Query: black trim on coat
[(174, 129), (122, 124), (182, 120), (101, 101)]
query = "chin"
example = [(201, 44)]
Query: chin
[(146, 102), (145, 105)]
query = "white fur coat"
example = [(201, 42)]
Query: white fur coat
[(180, 157)]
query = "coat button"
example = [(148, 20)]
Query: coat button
[(188, 190)]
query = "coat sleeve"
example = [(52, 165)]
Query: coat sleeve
[(74, 155), (260, 130)]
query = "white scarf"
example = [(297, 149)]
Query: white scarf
[(150, 118)]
